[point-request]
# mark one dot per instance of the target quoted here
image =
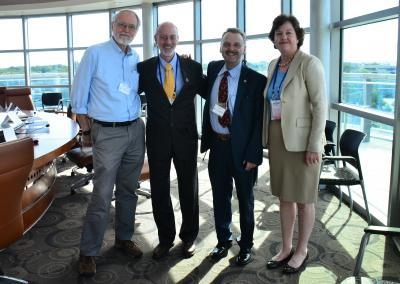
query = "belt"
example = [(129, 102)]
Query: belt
[(114, 124), (222, 137)]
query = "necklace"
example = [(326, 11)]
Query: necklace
[(285, 64)]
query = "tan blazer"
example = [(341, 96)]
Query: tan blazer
[(303, 100)]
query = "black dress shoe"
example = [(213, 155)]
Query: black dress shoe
[(221, 250), (287, 269), (188, 249), (244, 257), (160, 251), (272, 264)]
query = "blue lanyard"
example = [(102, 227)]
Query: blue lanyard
[(176, 73), (276, 95)]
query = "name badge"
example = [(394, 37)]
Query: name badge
[(218, 110), (276, 109), (124, 88)]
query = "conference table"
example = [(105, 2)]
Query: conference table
[(53, 135)]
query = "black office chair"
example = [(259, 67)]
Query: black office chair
[(52, 102), (346, 168), (82, 158), (372, 230), (330, 145)]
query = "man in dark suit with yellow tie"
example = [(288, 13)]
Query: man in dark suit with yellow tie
[(232, 123), (170, 83)]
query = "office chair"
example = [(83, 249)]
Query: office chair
[(13, 177), (83, 158), (368, 231), (52, 102), (20, 97), (329, 148), (346, 168)]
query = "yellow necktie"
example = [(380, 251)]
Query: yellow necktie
[(169, 82)]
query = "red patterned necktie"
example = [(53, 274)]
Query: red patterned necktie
[(223, 100)]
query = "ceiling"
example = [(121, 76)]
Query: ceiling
[(33, 7)]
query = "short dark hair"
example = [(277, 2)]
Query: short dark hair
[(283, 18), (235, 31)]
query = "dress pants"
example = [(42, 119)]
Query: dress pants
[(222, 172), (118, 154), (163, 211)]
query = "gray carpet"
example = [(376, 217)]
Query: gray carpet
[(49, 252)]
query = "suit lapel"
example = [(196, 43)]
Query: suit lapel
[(242, 86), (294, 65)]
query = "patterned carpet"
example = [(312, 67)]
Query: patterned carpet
[(49, 252)]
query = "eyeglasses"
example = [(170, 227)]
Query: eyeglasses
[(125, 25)]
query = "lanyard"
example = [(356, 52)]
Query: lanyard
[(176, 73), (276, 95)]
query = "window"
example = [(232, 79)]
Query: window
[(12, 72), (11, 34), (216, 17), (167, 13), (301, 10), (355, 8), (259, 53), (47, 32), (48, 68), (369, 72), (90, 29), (260, 14)]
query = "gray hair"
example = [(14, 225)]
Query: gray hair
[(116, 16)]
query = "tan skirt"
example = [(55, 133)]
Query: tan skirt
[(291, 179)]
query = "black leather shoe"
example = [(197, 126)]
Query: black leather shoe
[(188, 249), (86, 266), (244, 257), (221, 250), (287, 269), (160, 251), (272, 264)]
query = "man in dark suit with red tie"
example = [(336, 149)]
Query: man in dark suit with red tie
[(170, 83), (232, 127)]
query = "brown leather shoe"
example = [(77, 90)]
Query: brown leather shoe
[(188, 249), (86, 265), (128, 247), (160, 251)]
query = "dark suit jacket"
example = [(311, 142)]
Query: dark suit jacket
[(246, 123), (171, 127)]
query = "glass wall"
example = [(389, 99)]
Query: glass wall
[(367, 93)]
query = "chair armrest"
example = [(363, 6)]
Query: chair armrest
[(383, 230), (338, 158), (330, 143)]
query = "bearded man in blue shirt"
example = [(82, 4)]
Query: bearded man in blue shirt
[(105, 99)]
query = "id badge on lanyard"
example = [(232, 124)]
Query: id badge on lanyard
[(276, 109)]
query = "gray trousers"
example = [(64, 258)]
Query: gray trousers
[(118, 154)]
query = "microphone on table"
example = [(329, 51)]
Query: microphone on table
[(30, 131)]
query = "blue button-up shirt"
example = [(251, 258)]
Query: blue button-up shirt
[(106, 84)]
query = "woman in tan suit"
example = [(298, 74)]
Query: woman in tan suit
[(293, 131)]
